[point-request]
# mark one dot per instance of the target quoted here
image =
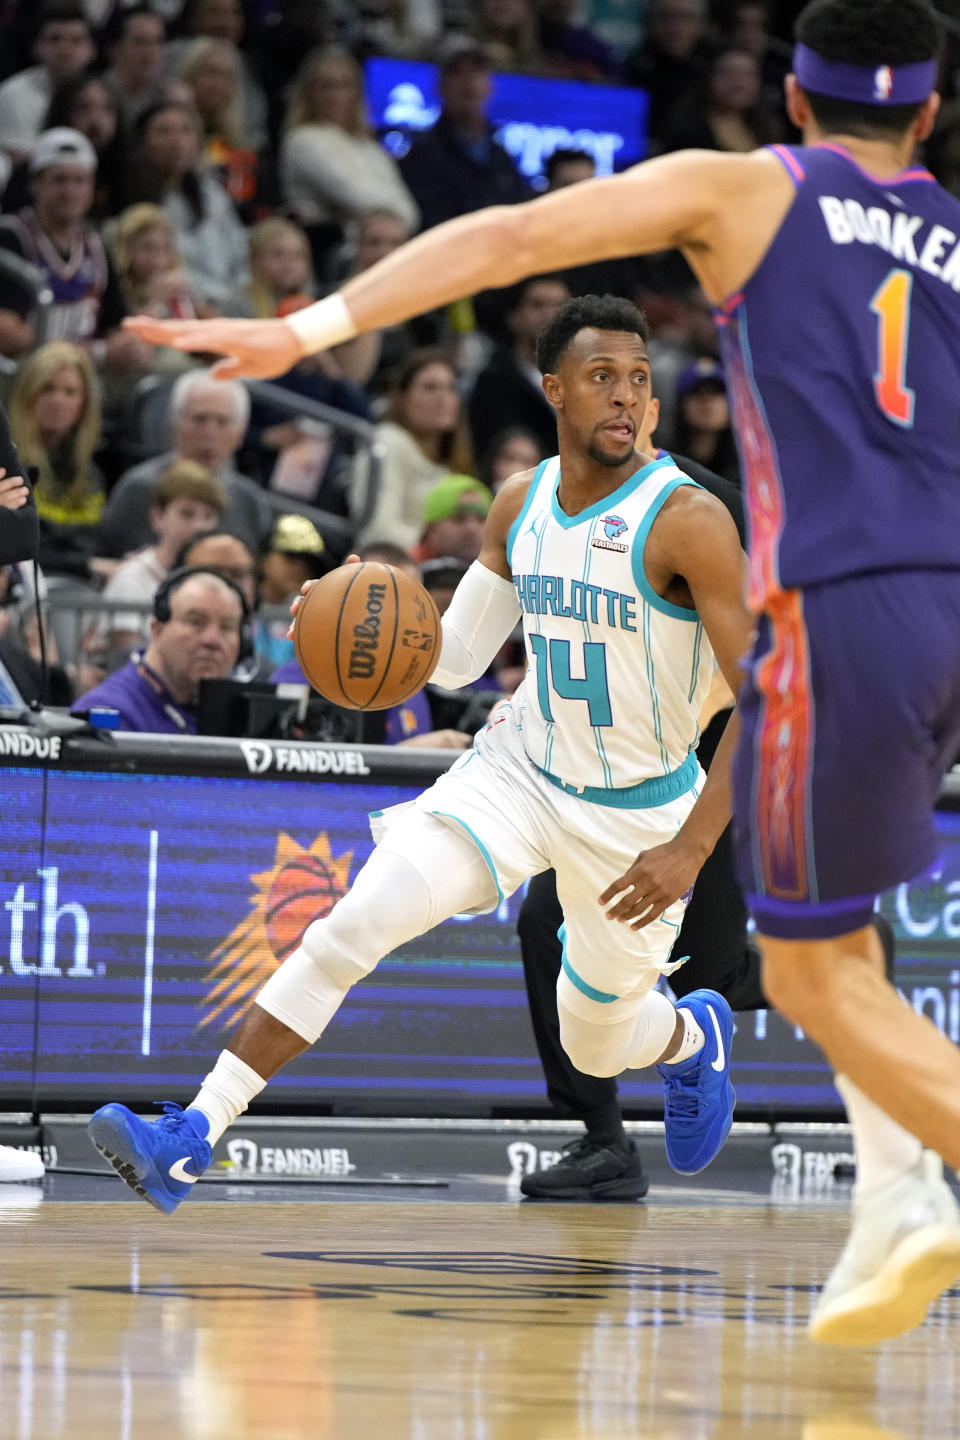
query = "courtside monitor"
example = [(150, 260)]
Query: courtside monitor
[(532, 115)]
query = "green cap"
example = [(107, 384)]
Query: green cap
[(455, 493)]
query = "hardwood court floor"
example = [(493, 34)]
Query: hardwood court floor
[(339, 1320)]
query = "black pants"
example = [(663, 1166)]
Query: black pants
[(713, 934)]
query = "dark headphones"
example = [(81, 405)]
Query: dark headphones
[(173, 581)]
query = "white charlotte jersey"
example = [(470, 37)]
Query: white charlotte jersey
[(616, 675)]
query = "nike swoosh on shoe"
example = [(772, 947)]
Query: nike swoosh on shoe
[(177, 1171), (720, 1061)]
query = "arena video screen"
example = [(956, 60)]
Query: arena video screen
[(532, 115), (137, 924)]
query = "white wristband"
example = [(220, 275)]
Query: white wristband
[(320, 326)]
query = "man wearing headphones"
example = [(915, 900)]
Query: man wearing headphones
[(198, 631)]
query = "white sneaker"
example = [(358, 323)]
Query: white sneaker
[(903, 1251), (19, 1164)]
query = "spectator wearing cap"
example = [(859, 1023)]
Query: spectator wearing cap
[(55, 236), (295, 553), (157, 692), (187, 501), (703, 430), (440, 578), (331, 168), (63, 46), (454, 514), (83, 102), (209, 420), (456, 166), (509, 391)]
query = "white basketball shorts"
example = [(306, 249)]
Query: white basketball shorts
[(522, 824)]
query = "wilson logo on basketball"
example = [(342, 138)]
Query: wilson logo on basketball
[(366, 636), (301, 886)]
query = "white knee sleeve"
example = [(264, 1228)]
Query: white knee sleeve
[(394, 898), (615, 1041)]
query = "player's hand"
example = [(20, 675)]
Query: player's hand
[(257, 349), (654, 881), (14, 491), (305, 589)]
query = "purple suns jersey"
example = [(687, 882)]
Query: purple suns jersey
[(77, 282), (843, 361)]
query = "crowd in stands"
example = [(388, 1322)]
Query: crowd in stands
[(191, 158)]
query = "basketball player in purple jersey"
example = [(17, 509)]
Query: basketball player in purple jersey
[(835, 272)]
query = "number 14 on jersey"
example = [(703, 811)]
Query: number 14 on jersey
[(553, 674)]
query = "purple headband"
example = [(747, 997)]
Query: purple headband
[(879, 85)]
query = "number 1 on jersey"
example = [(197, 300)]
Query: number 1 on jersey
[(891, 304), (553, 669)]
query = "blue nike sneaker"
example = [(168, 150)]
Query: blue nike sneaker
[(698, 1098), (160, 1159)]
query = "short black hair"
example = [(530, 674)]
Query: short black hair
[(62, 12), (586, 312), (867, 33), (565, 157), (514, 296), (118, 26)]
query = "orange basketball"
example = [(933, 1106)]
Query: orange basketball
[(367, 636)]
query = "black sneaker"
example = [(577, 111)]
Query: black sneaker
[(590, 1170)]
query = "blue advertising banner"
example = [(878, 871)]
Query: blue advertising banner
[(142, 911), (532, 115)]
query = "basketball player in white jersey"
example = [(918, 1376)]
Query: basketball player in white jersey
[(629, 578)]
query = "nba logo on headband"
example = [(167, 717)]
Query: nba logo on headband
[(864, 85), (883, 83)]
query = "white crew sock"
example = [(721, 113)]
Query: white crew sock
[(226, 1092), (692, 1041), (884, 1149)]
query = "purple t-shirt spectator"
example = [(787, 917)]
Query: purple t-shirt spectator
[(143, 701), (400, 721)]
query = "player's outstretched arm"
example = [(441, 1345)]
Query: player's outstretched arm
[(674, 201), (696, 538)]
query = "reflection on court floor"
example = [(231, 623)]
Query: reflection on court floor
[(467, 1321)]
